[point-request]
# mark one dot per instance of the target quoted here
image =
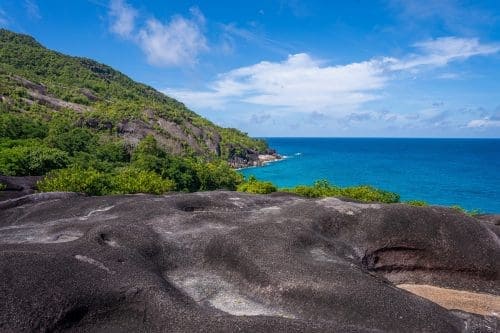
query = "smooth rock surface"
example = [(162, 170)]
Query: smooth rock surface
[(227, 261)]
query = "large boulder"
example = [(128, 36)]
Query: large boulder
[(226, 261)]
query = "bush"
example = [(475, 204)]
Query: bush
[(21, 127), (217, 175), (252, 185), (2, 186), (183, 172), (131, 180), (32, 160), (417, 203), (370, 194), (94, 182), (113, 152), (323, 188), (187, 173), (473, 212), (73, 141), (88, 181), (320, 188)]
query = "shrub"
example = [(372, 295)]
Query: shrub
[(11, 143), (2, 186), (473, 212), (148, 156), (131, 180), (323, 188), (187, 173), (369, 194), (88, 181), (113, 152), (93, 182), (252, 185), (73, 141), (217, 175), (417, 203), (183, 172), (21, 127), (31, 160), (320, 188)]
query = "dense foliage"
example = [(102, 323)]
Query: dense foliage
[(122, 181), (31, 160), (37, 84), (63, 117), (252, 185), (323, 188)]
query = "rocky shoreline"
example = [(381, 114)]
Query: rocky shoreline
[(253, 158)]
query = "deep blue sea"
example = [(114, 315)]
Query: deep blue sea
[(463, 172)]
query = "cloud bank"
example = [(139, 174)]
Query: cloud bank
[(303, 84)]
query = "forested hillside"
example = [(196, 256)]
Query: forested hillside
[(84, 118)]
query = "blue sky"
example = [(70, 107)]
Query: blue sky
[(390, 68)]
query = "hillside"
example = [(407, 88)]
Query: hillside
[(41, 84)]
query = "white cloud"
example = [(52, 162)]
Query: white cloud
[(299, 82), (303, 84), (4, 20), (441, 51), (32, 9), (122, 18), (172, 43), (463, 17), (483, 123)]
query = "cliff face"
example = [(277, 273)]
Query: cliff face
[(227, 261), (41, 82)]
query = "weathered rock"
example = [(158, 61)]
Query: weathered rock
[(226, 261), (17, 186)]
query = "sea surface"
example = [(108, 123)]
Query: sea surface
[(463, 172)]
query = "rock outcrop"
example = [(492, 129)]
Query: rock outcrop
[(15, 187), (226, 261), (251, 157)]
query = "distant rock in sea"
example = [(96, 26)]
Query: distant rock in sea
[(228, 261)]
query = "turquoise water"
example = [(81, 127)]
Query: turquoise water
[(463, 172)]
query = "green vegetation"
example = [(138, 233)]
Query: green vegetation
[(323, 188), (31, 160), (473, 212), (37, 85), (64, 117), (252, 185), (75, 179), (107, 169), (417, 203), (235, 143), (93, 182)]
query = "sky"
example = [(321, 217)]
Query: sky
[(388, 68)]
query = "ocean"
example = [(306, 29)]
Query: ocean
[(463, 172)]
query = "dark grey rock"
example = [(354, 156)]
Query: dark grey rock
[(17, 186), (226, 261)]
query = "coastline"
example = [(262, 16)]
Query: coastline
[(262, 160)]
